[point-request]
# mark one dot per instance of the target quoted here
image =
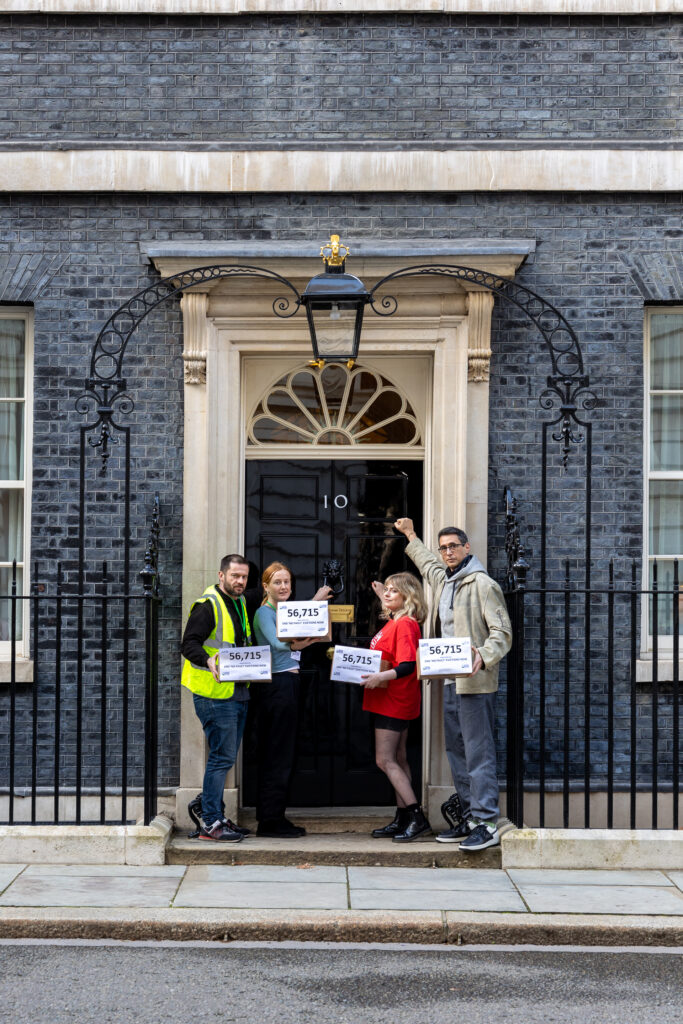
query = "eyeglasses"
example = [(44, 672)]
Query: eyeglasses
[(443, 548)]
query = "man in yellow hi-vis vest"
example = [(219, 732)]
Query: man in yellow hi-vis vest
[(218, 619)]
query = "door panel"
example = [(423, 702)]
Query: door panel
[(303, 513)]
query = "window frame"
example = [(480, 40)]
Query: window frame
[(664, 640), (26, 314)]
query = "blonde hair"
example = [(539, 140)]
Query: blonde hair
[(410, 589), (270, 571)]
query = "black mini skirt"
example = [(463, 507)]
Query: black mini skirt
[(387, 722)]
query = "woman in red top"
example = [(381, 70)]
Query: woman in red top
[(393, 708)]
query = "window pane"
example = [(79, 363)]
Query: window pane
[(11, 525), (6, 606), (666, 598), (11, 440), (666, 351), (666, 522), (335, 406), (666, 432), (12, 358)]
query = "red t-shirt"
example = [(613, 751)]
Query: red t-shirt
[(397, 640)]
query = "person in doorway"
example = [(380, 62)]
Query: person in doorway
[(467, 602), (218, 619), (277, 704), (405, 609)]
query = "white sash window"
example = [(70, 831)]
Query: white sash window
[(16, 351), (664, 460)]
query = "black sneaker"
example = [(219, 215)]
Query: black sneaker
[(229, 823), (456, 834), (220, 833), (485, 834), (281, 828)]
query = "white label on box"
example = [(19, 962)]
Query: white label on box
[(350, 664), (244, 664), (449, 656), (296, 619)]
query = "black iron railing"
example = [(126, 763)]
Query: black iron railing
[(593, 695), (78, 739)]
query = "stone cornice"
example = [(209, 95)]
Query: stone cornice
[(237, 7), (551, 169)]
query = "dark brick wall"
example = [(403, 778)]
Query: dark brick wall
[(304, 78), (577, 266)]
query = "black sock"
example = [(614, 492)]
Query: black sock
[(411, 807)]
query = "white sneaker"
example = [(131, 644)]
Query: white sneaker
[(485, 834)]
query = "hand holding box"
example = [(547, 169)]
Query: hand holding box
[(351, 664), (299, 619), (245, 665), (445, 658)]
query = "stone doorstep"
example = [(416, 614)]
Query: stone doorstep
[(86, 844), (335, 820), (338, 835), (347, 848), (598, 848), (426, 927)]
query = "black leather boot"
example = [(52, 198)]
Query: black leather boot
[(417, 826), (400, 821)]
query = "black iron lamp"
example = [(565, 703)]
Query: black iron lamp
[(334, 304)]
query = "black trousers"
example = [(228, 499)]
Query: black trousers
[(278, 712)]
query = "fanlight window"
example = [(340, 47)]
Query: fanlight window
[(333, 405)]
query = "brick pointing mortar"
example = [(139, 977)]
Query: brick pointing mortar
[(577, 266), (346, 77)]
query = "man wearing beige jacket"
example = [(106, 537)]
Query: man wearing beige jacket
[(467, 602)]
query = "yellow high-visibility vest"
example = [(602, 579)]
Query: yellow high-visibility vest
[(201, 680)]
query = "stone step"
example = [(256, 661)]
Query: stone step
[(332, 820), (348, 848)]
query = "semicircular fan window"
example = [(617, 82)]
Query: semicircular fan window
[(333, 405)]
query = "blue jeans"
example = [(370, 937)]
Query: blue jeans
[(469, 728), (223, 722)]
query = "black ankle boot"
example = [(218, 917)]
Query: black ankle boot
[(400, 821), (417, 826)]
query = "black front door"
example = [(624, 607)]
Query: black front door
[(303, 513)]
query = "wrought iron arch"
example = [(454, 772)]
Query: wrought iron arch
[(567, 384)]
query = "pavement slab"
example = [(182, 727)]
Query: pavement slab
[(677, 878), (8, 872), (436, 899), (429, 878), (264, 873), (276, 895), (86, 889), (105, 871), (598, 899), (584, 876)]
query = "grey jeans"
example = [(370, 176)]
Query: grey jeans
[(469, 729)]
